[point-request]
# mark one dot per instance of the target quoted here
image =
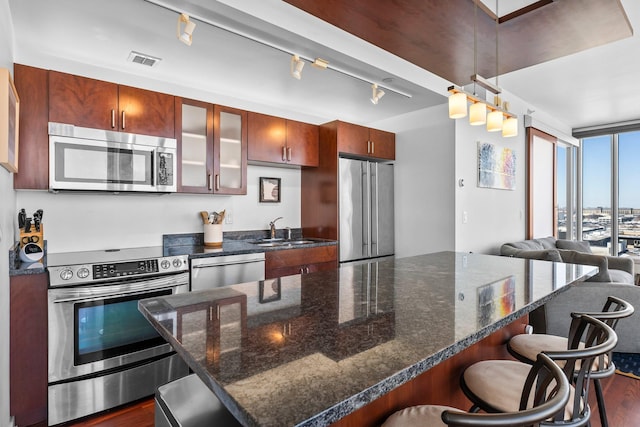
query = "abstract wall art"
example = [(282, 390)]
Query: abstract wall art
[(496, 167)]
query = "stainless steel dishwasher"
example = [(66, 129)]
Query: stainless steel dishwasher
[(217, 271)]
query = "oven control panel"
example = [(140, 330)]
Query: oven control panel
[(77, 274)]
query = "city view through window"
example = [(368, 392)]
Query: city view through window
[(597, 200)]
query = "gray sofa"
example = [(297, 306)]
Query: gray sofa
[(616, 277), (611, 269)]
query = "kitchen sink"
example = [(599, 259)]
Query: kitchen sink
[(281, 242)]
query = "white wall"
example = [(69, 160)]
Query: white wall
[(87, 221), (493, 217), (7, 211), (424, 181)]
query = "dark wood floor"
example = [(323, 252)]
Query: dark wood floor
[(622, 395)]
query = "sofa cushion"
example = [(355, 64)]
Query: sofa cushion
[(619, 276), (542, 255), (510, 249), (574, 245), (547, 242)]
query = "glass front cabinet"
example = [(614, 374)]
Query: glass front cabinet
[(212, 143)]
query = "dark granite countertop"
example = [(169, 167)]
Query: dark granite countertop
[(235, 242), (306, 350)]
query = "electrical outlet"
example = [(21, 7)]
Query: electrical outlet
[(465, 217), (228, 218)]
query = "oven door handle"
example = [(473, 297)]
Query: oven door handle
[(86, 293)]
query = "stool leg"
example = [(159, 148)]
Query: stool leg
[(600, 400)]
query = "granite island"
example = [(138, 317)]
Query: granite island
[(308, 350)]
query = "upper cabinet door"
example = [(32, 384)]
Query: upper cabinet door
[(82, 101), (267, 138), (382, 144), (230, 150), (97, 104), (302, 143), (33, 161), (145, 112), (194, 121), (353, 139)]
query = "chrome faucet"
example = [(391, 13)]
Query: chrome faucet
[(272, 224)]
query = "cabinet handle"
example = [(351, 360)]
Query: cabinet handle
[(113, 118), (284, 153), (373, 147), (123, 119), (210, 181), (368, 147), (289, 154), (307, 268), (217, 182)]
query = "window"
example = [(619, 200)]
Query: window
[(596, 192)]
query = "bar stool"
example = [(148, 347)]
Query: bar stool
[(545, 393), (494, 385), (525, 347)]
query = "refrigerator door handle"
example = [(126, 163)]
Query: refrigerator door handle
[(373, 221), (366, 215)]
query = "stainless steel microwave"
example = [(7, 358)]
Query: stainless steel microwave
[(95, 159)]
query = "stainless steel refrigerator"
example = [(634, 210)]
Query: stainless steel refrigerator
[(366, 209)]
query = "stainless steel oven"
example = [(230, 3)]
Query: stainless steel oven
[(102, 351)]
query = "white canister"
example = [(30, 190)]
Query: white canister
[(213, 235)]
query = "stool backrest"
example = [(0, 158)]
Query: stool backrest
[(600, 339), (547, 387)]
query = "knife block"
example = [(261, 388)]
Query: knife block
[(32, 235)]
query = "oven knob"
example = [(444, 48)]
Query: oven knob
[(66, 274), (177, 263), (83, 273), (165, 264)]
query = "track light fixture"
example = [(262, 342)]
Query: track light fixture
[(376, 94), (297, 61), (297, 65), (186, 35)]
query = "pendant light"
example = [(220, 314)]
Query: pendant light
[(510, 127), (477, 110), (457, 105)]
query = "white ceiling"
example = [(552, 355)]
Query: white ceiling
[(592, 87)]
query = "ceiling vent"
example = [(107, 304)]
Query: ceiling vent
[(141, 58)]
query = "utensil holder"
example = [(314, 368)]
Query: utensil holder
[(213, 235)]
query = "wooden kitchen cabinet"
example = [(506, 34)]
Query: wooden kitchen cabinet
[(33, 162), (302, 143), (364, 141), (91, 103), (229, 150), (194, 124), (277, 140), (28, 348), (267, 138), (288, 262), (212, 148)]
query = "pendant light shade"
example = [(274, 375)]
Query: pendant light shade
[(457, 105), (494, 121), (477, 114), (510, 127)]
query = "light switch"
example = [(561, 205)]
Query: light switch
[(228, 219), (465, 218)]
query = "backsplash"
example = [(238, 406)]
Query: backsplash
[(90, 221)]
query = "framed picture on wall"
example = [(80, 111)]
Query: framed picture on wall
[(270, 190), (9, 116)]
